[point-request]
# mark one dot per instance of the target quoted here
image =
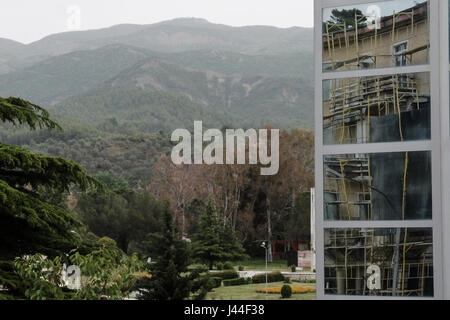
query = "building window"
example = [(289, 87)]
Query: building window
[(385, 108), (399, 53), (375, 35), (379, 186), (379, 262)]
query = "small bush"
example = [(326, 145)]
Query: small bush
[(287, 280), (214, 282), (219, 266), (271, 277), (235, 282), (286, 291), (293, 268), (228, 274), (241, 268), (228, 266), (201, 287)]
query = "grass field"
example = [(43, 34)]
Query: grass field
[(248, 292), (260, 265)]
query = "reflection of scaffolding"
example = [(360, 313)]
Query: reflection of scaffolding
[(349, 189), (354, 250), (338, 36), (352, 102), (340, 173)]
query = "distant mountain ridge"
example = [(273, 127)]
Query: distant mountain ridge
[(250, 76), (182, 34), (56, 78)]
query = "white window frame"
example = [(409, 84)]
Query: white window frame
[(394, 62)]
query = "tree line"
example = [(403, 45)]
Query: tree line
[(187, 219)]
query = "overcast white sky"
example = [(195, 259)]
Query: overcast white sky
[(30, 20)]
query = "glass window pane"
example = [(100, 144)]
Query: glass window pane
[(379, 262), (377, 109), (374, 35), (379, 186)]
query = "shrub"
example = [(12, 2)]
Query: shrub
[(241, 268), (286, 291), (214, 282), (305, 280), (287, 280), (271, 277), (228, 274), (219, 266), (295, 290), (293, 268), (228, 266), (236, 282)]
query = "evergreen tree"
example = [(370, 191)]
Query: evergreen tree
[(348, 17), (171, 279), (231, 246), (207, 244), (214, 241), (127, 216), (112, 181), (29, 223)]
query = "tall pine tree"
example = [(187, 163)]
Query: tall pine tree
[(207, 244), (171, 278), (28, 223), (233, 249), (215, 242)]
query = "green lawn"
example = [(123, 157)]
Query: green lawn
[(260, 265), (248, 292)]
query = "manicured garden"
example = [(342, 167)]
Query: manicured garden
[(249, 292)]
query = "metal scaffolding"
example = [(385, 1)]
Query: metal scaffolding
[(338, 36), (356, 249), (353, 102)]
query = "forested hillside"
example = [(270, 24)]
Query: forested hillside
[(135, 80), (119, 92)]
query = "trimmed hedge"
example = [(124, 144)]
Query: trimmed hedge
[(271, 277), (214, 282), (310, 281), (305, 281), (228, 274), (236, 282)]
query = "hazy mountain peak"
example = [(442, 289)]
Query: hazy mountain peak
[(7, 42), (192, 21), (258, 73)]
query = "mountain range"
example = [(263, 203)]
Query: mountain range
[(141, 79), (257, 74)]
